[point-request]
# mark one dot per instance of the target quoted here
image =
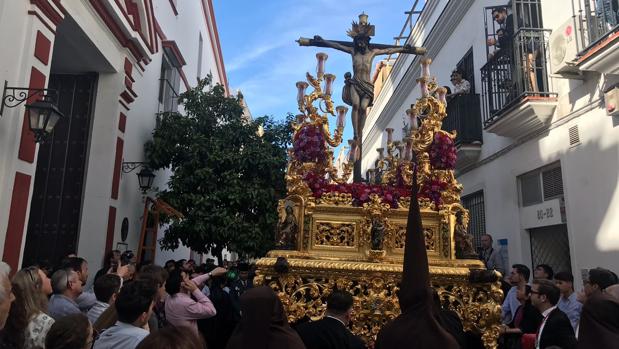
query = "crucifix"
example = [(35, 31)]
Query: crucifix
[(358, 89)]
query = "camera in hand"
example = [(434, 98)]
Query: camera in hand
[(127, 258)]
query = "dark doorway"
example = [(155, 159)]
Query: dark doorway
[(550, 245), (53, 226)]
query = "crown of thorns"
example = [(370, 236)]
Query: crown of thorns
[(360, 30)]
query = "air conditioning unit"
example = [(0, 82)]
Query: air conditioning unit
[(565, 44), (611, 101)]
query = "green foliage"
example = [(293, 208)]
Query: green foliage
[(225, 179)]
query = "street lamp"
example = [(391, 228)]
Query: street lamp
[(145, 176), (43, 114)]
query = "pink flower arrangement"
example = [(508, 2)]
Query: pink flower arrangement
[(360, 192), (432, 190), (443, 152), (309, 145)]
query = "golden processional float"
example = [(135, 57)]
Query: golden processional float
[(340, 235)]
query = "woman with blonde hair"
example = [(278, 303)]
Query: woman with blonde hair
[(28, 321)]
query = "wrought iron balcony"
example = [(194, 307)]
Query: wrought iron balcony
[(464, 116), (601, 20), (516, 93)]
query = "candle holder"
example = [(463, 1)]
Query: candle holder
[(441, 94), (329, 78), (381, 153), (351, 151), (341, 116), (301, 86), (423, 87), (425, 67), (321, 57), (389, 135)]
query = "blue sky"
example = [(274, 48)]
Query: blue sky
[(263, 60)]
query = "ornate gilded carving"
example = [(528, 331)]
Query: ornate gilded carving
[(374, 285), (335, 234), (334, 198), (352, 236), (428, 234), (398, 237)]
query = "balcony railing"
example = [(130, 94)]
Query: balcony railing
[(514, 72), (464, 116), (602, 18)]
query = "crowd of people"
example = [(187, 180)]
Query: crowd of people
[(547, 312), (183, 305)]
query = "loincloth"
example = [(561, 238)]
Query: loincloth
[(364, 89)]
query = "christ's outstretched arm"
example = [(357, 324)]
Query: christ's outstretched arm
[(320, 42), (399, 49)]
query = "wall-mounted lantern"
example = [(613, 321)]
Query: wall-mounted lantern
[(43, 114)]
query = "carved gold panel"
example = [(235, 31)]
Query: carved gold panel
[(335, 234), (304, 291)]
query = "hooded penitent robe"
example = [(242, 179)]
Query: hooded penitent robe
[(417, 326), (599, 323), (263, 323)]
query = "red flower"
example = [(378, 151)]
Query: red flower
[(443, 152), (309, 145)]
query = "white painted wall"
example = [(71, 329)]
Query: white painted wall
[(590, 169), (16, 61), (19, 29)]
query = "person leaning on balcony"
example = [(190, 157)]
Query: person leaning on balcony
[(461, 85)]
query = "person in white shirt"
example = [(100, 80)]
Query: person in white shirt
[(461, 85), (106, 289), (28, 321), (134, 306)]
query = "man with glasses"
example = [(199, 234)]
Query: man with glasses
[(556, 329), (67, 286)]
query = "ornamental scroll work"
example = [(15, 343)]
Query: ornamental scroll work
[(374, 232), (304, 294), (335, 234)]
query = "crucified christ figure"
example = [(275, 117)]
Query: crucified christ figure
[(359, 89)]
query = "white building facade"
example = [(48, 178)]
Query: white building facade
[(116, 65), (538, 135)]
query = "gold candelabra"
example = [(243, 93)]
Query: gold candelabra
[(315, 108)]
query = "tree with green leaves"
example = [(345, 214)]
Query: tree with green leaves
[(227, 173)]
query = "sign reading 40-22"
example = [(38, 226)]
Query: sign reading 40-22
[(541, 215)]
